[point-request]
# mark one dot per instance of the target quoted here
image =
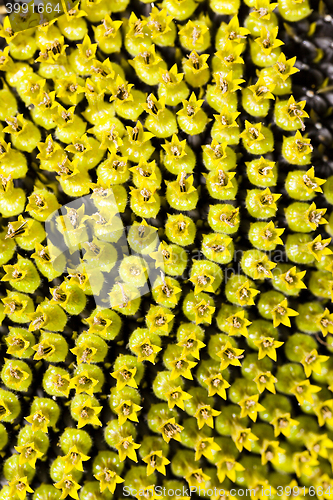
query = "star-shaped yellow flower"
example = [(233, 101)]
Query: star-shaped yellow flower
[(165, 287), (84, 353), (87, 49), (216, 244), (16, 375), (265, 380), (154, 106), (267, 198), (111, 26), (319, 247), (68, 487), (163, 255), (202, 282), (176, 397), (17, 344), (87, 414), (250, 407), (43, 350), (237, 324), (301, 145), (261, 90), (227, 467), (183, 184), (282, 423), (159, 22), (147, 58), (216, 151), (293, 279), (146, 351), (319, 445), (62, 382), (175, 149), (311, 183), (226, 119), (312, 362), (182, 367), (227, 84), (195, 63), (304, 463), (267, 347), (14, 273), (98, 323), (14, 304), (324, 411), (281, 314), (135, 26), (217, 385), (245, 294), (156, 461), (29, 454), (112, 141), (234, 32), (268, 40), (127, 410), (17, 228), (203, 311), (204, 415), (285, 68), (196, 478), (269, 451), (191, 346), (125, 376), (304, 390), (295, 111), (193, 103), (42, 255), (206, 447), (325, 322), (170, 430), (80, 146), (63, 117), (143, 195), (230, 356), (243, 438), (252, 133), (38, 421), (136, 135), (108, 479), (15, 124), (221, 179), (271, 234), (19, 486), (263, 267), (263, 9), (126, 448), (191, 32), (83, 383), (158, 319), (230, 54), (74, 459)]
